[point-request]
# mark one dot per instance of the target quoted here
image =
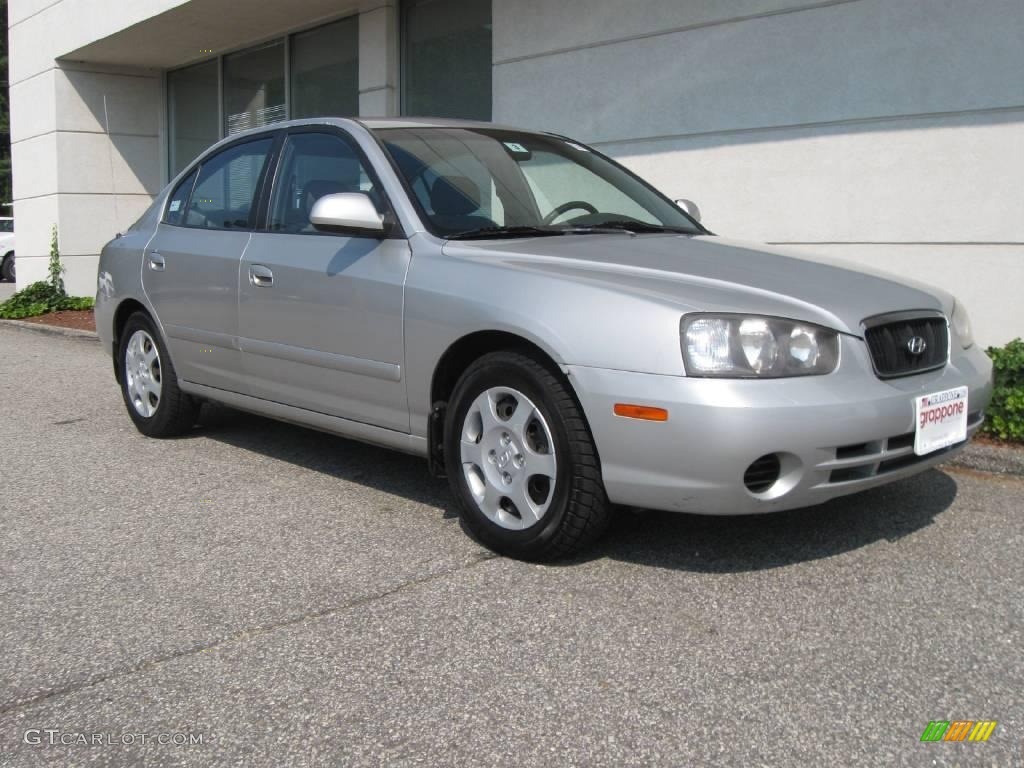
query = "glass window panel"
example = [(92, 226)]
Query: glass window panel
[(325, 70), (556, 180), (192, 113), (446, 58), (179, 200), (465, 179), (254, 88), (313, 165), (226, 186)]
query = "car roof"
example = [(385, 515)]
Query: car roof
[(380, 123), (376, 124), (372, 124)]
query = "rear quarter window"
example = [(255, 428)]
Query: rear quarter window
[(178, 201)]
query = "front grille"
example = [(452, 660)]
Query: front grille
[(890, 340)]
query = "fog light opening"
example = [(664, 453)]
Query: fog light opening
[(762, 473)]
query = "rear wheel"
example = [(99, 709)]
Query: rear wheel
[(7, 268), (521, 461), (148, 383)]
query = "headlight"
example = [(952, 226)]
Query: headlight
[(744, 346), (962, 325)]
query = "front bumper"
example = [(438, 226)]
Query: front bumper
[(835, 434)]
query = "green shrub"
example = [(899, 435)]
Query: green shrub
[(44, 296), (1005, 415), (40, 298)]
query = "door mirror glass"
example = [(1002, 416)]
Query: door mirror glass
[(346, 211), (689, 207)]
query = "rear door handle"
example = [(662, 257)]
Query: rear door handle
[(156, 262), (260, 276)]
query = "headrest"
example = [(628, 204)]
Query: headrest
[(454, 196), (317, 188)]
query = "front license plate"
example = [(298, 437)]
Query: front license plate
[(941, 420)]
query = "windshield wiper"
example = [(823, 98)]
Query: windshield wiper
[(500, 232), (616, 227), (635, 227), (533, 231)]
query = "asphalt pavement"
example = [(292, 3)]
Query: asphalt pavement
[(294, 599)]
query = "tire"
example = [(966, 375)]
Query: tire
[(7, 268), (155, 403), (499, 460)]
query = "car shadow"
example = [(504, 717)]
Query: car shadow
[(673, 540), (733, 544), (377, 468)]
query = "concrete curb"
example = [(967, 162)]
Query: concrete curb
[(987, 457), (53, 330)]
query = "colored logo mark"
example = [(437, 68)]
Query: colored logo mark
[(959, 730)]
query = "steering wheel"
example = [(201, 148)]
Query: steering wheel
[(569, 206)]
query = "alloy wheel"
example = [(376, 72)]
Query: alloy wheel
[(143, 374), (508, 458)]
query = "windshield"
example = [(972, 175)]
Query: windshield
[(482, 182)]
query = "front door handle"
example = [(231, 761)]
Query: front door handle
[(260, 276), (156, 262)]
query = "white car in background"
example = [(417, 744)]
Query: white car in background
[(7, 248)]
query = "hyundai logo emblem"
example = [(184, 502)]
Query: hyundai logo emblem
[(916, 345)]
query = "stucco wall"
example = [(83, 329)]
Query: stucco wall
[(889, 132), (86, 149), (88, 137)]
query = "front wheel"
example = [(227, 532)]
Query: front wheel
[(148, 383), (521, 461)]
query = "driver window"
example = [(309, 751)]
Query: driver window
[(555, 180), (314, 165)]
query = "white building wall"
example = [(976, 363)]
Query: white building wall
[(88, 137), (378, 60), (85, 148), (85, 140), (886, 132)]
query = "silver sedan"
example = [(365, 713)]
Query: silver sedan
[(549, 331)]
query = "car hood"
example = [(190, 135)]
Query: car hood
[(710, 273)]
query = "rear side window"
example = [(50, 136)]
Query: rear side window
[(226, 188), (179, 199)]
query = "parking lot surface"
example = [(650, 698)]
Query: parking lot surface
[(298, 599)]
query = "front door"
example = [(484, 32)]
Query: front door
[(190, 269), (320, 315)]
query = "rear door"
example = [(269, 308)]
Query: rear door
[(190, 270), (320, 314)]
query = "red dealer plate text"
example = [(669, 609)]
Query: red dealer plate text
[(941, 420)]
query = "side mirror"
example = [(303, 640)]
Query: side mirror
[(346, 212), (690, 208)]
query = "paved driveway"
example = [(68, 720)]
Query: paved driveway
[(298, 599)]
